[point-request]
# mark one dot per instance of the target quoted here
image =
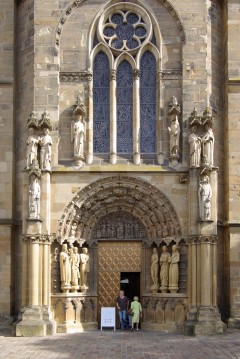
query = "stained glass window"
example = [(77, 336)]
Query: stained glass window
[(124, 108), (101, 104), (148, 103)]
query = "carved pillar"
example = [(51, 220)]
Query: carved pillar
[(89, 123), (160, 88), (113, 119), (46, 273), (34, 272), (136, 118)]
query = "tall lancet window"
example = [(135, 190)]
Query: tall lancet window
[(124, 56), (101, 104), (124, 108), (148, 103)]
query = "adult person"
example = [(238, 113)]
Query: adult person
[(165, 260), (32, 147), (65, 269), (84, 268), (46, 150), (204, 196), (34, 197), (174, 270), (122, 306), (174, 131), (77, 136), (208, 145), (195, 148), (137, 312), (154, 270)]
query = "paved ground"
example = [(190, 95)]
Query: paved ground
[(121, 345)]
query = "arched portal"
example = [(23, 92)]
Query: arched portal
[(120, 220)]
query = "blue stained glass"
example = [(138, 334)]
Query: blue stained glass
[(117, 44), (132, 18), (132, 44), (101, 100), (125, 31), (109, 31), (124, 108), (140, 31), (148, 103), (117, 18)]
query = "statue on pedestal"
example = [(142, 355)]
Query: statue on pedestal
[(84, 269), (46, 150), (65, 269), (174, 270), (174, 131), (154, 270), (34, 197), (195, 148), (165, 260), (32, 147), (208, 145), (78, 132), (204, 196)]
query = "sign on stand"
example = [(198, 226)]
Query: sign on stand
[(108, 317)]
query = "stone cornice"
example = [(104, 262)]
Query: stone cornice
[(234, 81), (75, 76), (36, 238), (199, 239)]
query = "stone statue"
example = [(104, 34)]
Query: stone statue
[(195, 148), (165, 260), (174, 270), (65, 269), (75, 274), (46, 150), (32, 147), (73, 230), (84, 269), (77, 136), (204, 196), (208, 145), (34, 197), (154, 270), (174, 131)]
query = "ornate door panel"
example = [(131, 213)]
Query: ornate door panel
[(114, 258)]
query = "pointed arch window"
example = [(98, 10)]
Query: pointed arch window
[(124, 82)]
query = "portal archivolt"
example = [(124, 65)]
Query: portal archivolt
[(147, 208)]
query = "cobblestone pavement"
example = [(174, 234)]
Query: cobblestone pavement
[(121, 345)]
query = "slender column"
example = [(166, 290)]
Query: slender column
[(194, 274), (214, 274), (159, 129), (46, 274), (34, 272), (113, 119), (89, 123), (206, 275), (136, 118)]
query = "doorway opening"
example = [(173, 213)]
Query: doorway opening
[(130, 283)]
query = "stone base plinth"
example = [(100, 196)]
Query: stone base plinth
[(35, 321), (234, 323), (204, 321), (76, 327), (163, 327)]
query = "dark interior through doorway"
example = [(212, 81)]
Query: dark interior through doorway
[(130, 283)]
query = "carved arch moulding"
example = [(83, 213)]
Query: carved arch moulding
[(69, 9), (131, 207)]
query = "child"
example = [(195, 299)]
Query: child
[(137, 312)]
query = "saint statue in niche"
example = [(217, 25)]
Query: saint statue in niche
[(204, 196), (77, 136), (46, 150), (65, 269), (75, 274), (195, 148), (208, 145), (154, 270), (174, 270), (84, 269), (34, 197), (32, 147), (174, 131), (165, 260)]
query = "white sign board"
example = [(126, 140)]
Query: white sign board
[(108, 317)]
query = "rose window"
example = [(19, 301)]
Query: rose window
[(125, 30)]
